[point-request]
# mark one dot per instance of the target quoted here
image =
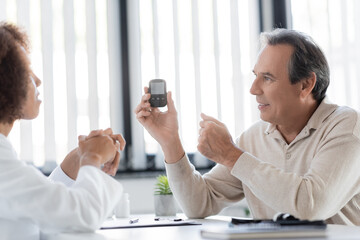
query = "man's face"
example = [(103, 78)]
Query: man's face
[(278, 99)]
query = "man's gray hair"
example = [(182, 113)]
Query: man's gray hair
[(306, 58)]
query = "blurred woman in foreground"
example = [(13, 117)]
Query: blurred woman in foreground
[(78, 195)]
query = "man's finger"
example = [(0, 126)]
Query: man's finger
[(202, 124), (208, 123), (201, 131), (146, 90), (170, 102), (209, 118), (81, 138), (142, 106), (141, 116), (146, 97)]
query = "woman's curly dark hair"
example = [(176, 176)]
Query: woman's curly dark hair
[(14, 71)]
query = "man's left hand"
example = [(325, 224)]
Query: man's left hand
[(215, 142)]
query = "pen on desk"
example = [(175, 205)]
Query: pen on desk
[(169, 219), (134, 220)]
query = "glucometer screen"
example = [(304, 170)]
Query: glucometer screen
[(157, 88)]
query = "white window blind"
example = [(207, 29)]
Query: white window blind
[(205, 50), (75, 52), (334, 25)]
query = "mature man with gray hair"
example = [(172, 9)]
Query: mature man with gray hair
[(302, 158)]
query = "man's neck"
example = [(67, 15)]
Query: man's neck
[(5, 128), (290, 131)]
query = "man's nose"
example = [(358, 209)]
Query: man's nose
[(255, 88)]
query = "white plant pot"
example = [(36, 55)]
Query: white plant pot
[(165, 205)]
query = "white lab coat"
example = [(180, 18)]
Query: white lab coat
[(32, 202)]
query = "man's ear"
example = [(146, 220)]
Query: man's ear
[(308, 84)]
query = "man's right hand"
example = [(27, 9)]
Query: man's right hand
[(162, 126)]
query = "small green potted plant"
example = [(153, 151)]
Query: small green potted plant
[(164, 201)]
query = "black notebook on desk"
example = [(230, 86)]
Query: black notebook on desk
[(263, 229)]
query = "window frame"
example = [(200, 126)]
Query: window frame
[(278, 10)]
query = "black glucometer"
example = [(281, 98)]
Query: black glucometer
[(157, 89)]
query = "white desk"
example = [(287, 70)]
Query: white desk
[(185, 232)]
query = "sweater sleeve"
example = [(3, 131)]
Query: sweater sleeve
[(201, 196), (327, 186)]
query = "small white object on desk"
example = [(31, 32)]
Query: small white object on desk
[(122, 209)]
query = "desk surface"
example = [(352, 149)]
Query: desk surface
[(184, 232)]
